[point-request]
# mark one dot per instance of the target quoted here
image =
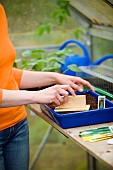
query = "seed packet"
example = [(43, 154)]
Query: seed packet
[(101, 102), (110, 141), (97, 134)]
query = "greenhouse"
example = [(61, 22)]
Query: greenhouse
[(58, 77)]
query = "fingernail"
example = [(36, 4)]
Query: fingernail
[(81, 90)]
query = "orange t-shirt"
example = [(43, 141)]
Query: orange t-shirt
[(9, 76)]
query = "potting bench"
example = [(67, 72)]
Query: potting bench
[(97, 150)]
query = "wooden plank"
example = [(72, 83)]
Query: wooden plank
[(76, 109), (98, 11), (101, 32), (100, 150), (74, 103)]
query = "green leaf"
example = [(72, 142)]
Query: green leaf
[(41, 61), (41, 30), (24, 62), (78, 32), (74, 67), (38, 50), (24, 66), (48, 68), (61, 60), (60, 15), (15, 65), (66, 52), (62, 12), (54, 68), (48, 55), (57, 66), (26, 53), (44, 28), (18, 60), (38, 56), (33, 63), (48, 28), (52, 59), (39, 66)]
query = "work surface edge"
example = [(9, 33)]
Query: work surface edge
[(100, 150)]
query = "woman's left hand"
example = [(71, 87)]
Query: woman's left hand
[(76, 83)]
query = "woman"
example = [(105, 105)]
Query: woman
[(14, 136)]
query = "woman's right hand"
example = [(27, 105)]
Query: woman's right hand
[(54, 95)]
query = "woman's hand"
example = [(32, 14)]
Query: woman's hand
[(32, 79), (54, 96), (58, 94), (76, 83)]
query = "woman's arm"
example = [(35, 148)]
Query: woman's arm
[(31, 79), (52, 95)]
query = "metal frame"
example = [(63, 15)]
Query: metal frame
[(41, 147)]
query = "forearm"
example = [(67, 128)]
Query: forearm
[(31, 79), (49, 95), (16, 97)]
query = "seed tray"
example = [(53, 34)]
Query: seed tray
[(82, 118)]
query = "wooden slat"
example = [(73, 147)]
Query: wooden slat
[(101, 32), (74, 103), (98, 11)]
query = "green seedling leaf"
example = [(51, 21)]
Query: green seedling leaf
[(56, 66), (26, 53), (48, 55), (48, 69), (39, 65), (74, 67), (15, 65), (60, 60), (41, 61), (18, 60), (52, 59), (78, 33), (33, 63), (37, 56), (41, 30), (65, 52), (24, 66), (44, 28), (24, 62), (38, 51), (48, 28)]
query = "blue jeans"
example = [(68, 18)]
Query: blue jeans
[(14, 147)]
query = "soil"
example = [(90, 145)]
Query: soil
[(92, 101)]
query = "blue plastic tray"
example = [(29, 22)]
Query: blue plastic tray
[(74, 119)]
